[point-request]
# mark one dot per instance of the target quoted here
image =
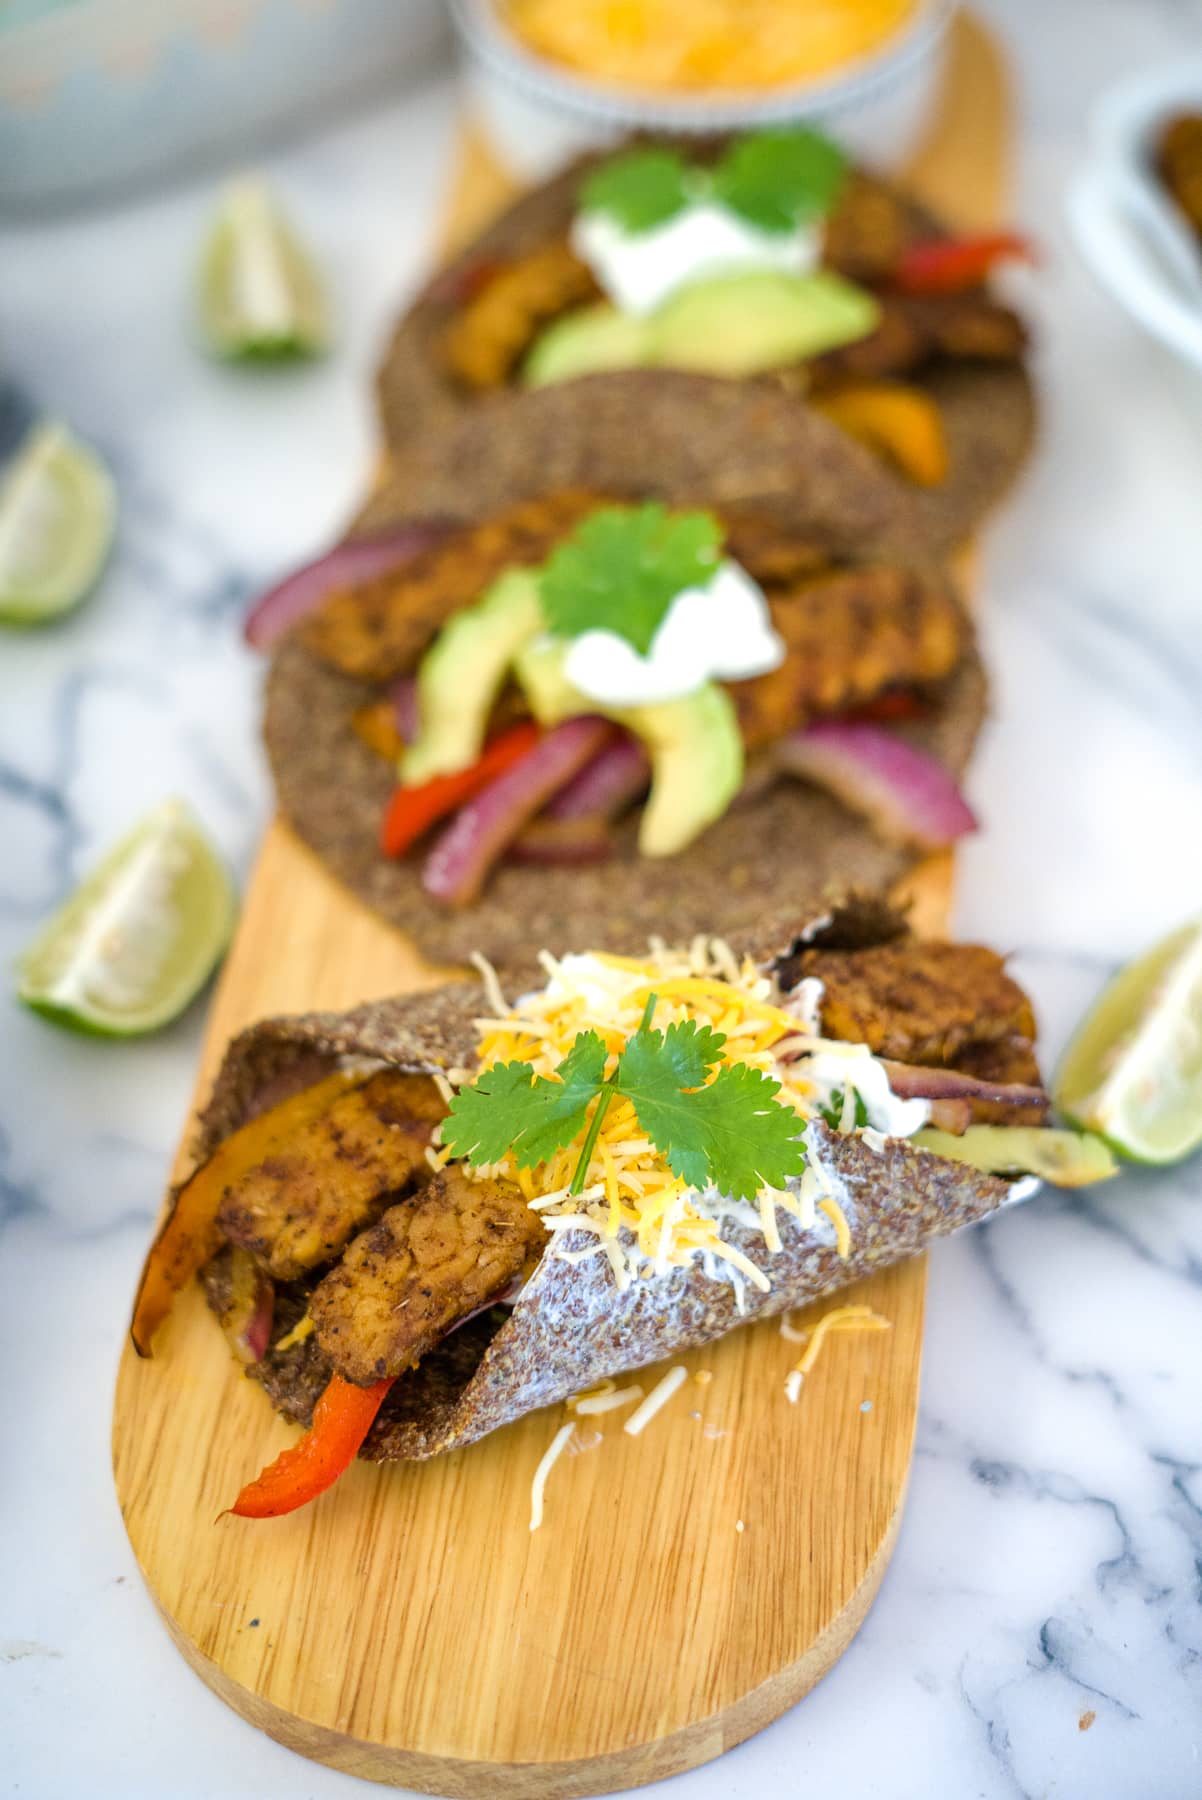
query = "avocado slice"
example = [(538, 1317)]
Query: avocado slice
[(745, 324), (462, 672), (586, 341), (730, 325), (696, 752), (694, 743), (1065, 1158)]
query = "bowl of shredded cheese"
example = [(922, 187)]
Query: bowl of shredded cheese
[(552, 77)]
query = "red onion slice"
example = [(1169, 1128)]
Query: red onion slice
[(910, 1081), (615, 777), (908, 796), (458, 865), (403, 695), (563, 842), (303, 591), (246, 1319)]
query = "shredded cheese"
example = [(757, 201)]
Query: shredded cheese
[(550, 1457), (303, 1328), (633, 1209), (834, 1212), (605, 1402), (840, 1318), (658, 1398)]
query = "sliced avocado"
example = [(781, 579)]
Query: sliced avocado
[(1065, 1158), (585, 341), (694, 743), (744, 324), (730, 325), (462, 672), (696, 752), (538, 669)]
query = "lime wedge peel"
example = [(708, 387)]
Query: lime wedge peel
[(137, 940), (1133, 1071), (260, 296), (58, 511)]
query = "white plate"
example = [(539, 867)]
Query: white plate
[(1127, 228)]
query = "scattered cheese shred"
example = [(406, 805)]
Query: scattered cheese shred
[(604, 1402), (551, 1456), (659, 1397), (303, 1328), (838, 1219), (840, 1318)]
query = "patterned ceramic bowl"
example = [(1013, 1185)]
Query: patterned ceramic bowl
[(97, 94)]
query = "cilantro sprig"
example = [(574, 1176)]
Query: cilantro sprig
[(775, 179), (622, 568), (730, 1132), (639, 190)]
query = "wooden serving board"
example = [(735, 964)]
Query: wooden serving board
[(686, 1587)]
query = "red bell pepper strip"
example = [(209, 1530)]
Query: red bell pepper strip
[(412, 810), (953, 265), (341, 1421)]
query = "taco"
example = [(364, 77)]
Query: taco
[(700, 592), (762, 258), (423, 1219)]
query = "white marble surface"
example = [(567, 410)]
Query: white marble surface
[(1049, 1564)]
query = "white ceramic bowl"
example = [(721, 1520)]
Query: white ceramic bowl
[(1126, 227), (537, 113)]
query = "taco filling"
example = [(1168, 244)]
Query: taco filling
[(774, 260), (574, 661), (484, 1211)]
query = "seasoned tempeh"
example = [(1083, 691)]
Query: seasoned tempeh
[(430, 1262), (922, 1002), (297, 1208)]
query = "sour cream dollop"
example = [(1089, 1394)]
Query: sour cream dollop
[(719, 631), (639, 270)]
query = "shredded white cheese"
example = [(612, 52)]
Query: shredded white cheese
[(551, 1456), (659, 1397), (607, 1402), (840, 1318)]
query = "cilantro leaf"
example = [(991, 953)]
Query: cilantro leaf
[(776, 179), (623, 567), (639, 190), (733, 1135), (509, 1108), (832, 1112)]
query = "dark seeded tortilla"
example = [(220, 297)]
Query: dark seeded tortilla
[(988, 409), (687, 440), (571, 1326)]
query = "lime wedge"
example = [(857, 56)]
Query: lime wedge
[(260, 296), (58, 509), (1133, 1072), (134, 944)]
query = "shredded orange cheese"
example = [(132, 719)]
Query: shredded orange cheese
[(643, 1218), (303, 1328), (840, 1318)]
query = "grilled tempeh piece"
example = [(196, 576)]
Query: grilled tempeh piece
[(491, 333), (850, 634), (378, 629), (913, 330), (429, 1263), (920, 1002), (297, 1209)]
